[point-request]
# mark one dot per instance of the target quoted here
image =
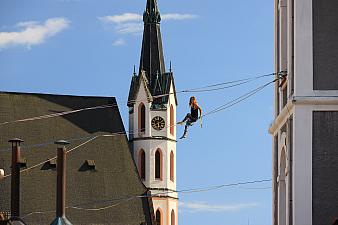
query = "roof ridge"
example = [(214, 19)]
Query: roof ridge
[(52, 94)]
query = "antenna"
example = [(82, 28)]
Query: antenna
[(170, 69), (134, 70)]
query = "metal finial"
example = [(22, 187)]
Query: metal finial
[(170, 68), (134, 70)]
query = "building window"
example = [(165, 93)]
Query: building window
[(158, 164), (173, 217), (142, 118), (172, 122), (282, 203), (142, 164), (172, 166), (158, 217)]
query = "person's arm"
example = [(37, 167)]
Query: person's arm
[(201, 115), (199, 109)]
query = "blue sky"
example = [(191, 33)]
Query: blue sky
[(80, 47)]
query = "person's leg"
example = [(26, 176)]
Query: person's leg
[(187, 124), (185, 119)]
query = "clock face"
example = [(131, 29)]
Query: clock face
[(158, 123)]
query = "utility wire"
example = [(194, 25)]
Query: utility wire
[(126, 199), (216, 110), (239, 99), (71, 150), (235, 81), (200, 89)]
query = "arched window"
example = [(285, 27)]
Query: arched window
[(158, 164), (172, 122), (141, 118), (282, 199), (158, 217), (142, 164), (172, 166), (172, 217)]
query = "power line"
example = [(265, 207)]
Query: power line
[(48, 143), (239, 99), (200, 89), (216, 110), (58, 114), (235, 81), (71, 150), (126, 199)]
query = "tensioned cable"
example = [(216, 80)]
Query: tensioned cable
[(216, 110), (25, 147), (200, 89), (72, 149), (58, 114), (236, 81), (126, 199), (239, 99)]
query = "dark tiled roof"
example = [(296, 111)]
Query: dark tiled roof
[(115, 175)]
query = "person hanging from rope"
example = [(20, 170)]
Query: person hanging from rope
[(191, 117)]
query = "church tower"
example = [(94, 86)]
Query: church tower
[(152, 106), (305, 128)]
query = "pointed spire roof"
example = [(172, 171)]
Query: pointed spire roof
[(152, 59), (152, 66), (152, 6)]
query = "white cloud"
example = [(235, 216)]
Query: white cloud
[(176, 16), (134, 17), (129, 28), (33, 33), (205, 207), (119, 42), (27, 24), (131, 23), (123, 18)]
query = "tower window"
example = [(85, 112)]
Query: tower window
[(172, 166), (172, 217), (142, 164), (158, 164), (172, 122), (142, 118), (158, 217)]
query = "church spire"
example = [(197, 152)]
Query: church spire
[(152, 59), (152, 67)]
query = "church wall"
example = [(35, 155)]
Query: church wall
[(303, 48), (305, 161), (173, 103), (314, 69), (302, 166), (142, 98)]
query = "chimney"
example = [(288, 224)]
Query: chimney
[(61, 185), (15, 181)]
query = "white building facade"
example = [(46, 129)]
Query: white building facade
[(152, 121), (305, 128)]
